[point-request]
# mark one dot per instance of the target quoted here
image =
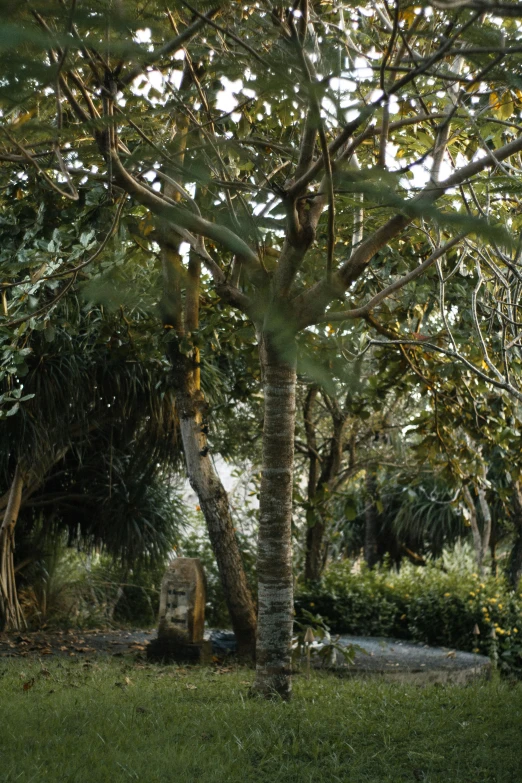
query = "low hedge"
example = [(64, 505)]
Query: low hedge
[(431, 604)]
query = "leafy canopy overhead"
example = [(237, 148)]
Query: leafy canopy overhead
[(356, 167)]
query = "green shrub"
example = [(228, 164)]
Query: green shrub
[(439, 604), (67, 588)]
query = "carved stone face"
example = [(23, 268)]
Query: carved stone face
[(182, 601), (177, 610)]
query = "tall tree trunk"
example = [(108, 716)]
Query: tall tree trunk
[(274, 563), (371, 522), (10, 610), (515, 556)]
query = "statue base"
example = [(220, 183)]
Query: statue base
[(166, 649)]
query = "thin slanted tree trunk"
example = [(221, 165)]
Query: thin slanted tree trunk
[(215, 506), (203, 479), (275, 579), (371, 522), (182, 315), (10, 610)]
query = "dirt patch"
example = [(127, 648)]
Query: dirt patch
[(71, 644)]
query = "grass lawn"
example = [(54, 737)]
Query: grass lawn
[(118, 721)]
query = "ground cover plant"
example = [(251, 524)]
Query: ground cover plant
[(118, 721)]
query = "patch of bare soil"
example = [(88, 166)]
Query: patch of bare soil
[(73, 643)]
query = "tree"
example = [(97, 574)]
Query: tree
[(349, 104)]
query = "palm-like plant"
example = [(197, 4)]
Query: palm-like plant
[(93, 439)]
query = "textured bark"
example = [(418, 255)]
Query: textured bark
[(11, 613), (371, 523), (274, 563)]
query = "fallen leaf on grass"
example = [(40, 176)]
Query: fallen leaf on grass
[(29, 684), (127, 681), (191, 687)]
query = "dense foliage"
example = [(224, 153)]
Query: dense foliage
[(444, 603)]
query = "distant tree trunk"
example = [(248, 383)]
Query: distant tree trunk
[(319, 487), (371, 522), (480, 539), (515, 557), (11, 613), (203, 479), (275, 579), (313, 534), (493, 553), (315, 560)]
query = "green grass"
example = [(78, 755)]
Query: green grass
[(87, 723)]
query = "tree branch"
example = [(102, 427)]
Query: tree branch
[(360, 312), (311, 305)]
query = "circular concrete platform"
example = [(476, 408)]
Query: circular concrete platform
[(403, 661)]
